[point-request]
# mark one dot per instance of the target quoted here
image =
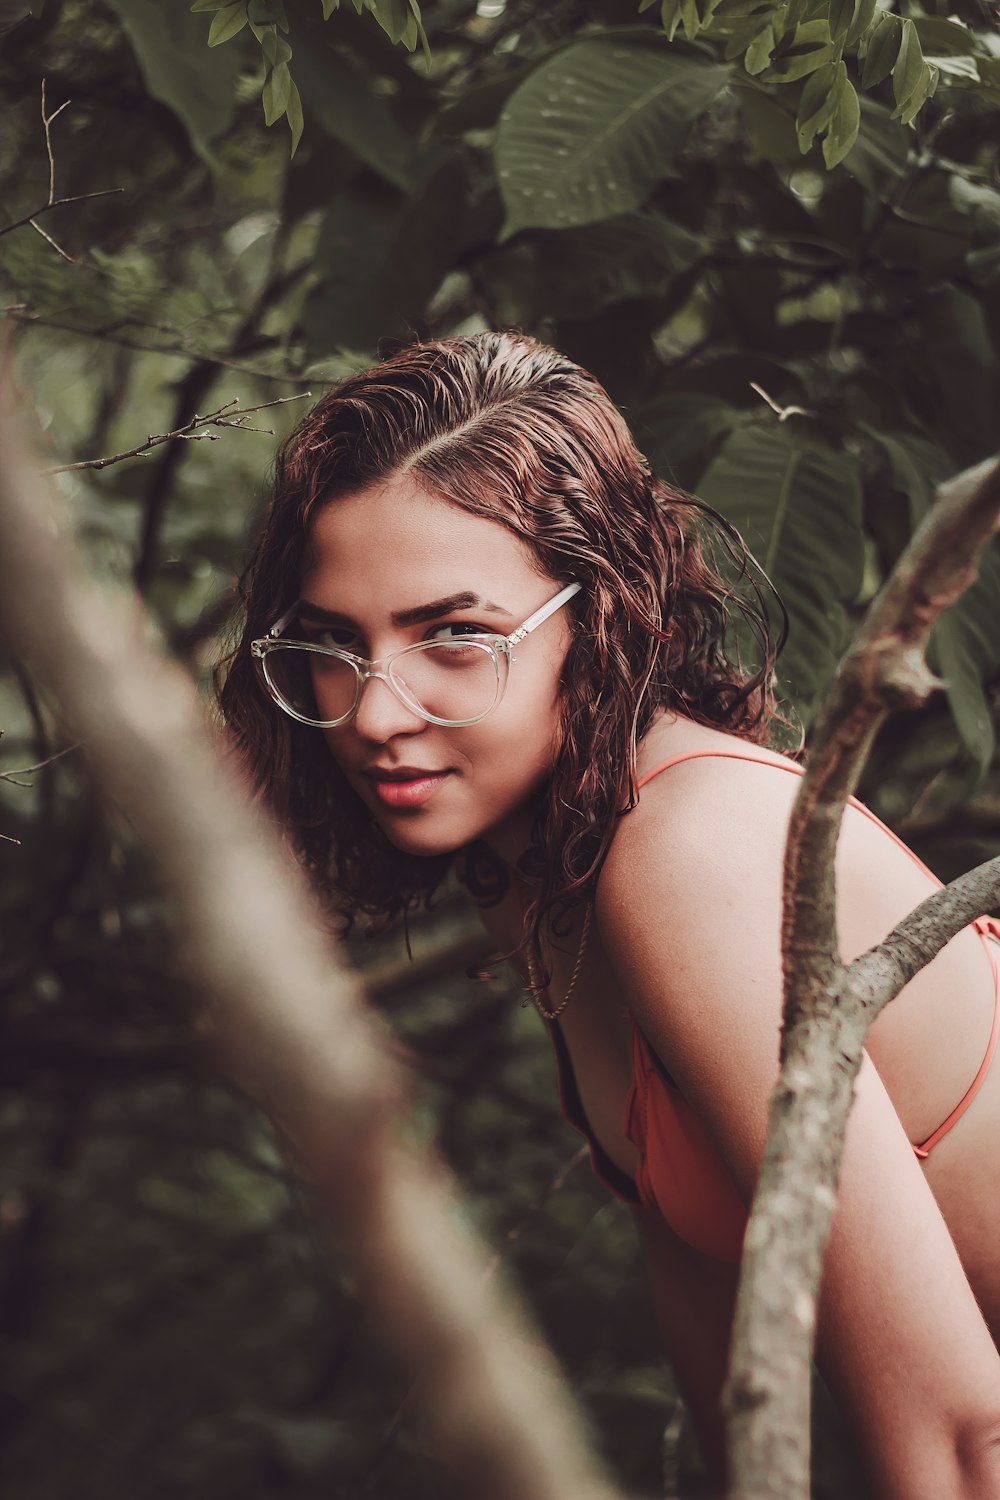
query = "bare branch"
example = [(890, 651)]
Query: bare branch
[(59, 203), (876, 977), (52, 201), (50, 241), (39, 766), (829, 1008), (782, 412), (225, 417), (289, 1021)]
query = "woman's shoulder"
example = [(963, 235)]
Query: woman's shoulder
[(709, 818)]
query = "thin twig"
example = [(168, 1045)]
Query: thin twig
[(783, 412), (59, 203), (52, 201), (39, 766), (47, 127), (224, 417)]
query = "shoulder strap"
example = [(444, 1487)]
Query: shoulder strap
[(785, 765)]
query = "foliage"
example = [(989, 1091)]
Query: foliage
[(802, 329)]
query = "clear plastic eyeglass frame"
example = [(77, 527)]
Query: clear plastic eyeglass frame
[(499, 646)]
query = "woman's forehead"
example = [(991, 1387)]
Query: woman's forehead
[(398, 535)]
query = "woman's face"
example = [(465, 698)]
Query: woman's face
[(394, 548)]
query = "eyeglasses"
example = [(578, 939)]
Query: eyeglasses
[(452, 683)]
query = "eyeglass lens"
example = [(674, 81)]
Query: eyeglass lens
[(447, 680)]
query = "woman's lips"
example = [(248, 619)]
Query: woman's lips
[(413, 792)]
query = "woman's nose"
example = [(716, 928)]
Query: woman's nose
[(381, 714)]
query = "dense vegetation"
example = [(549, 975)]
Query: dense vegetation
[(775, 236)]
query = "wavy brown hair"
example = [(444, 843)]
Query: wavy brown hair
[(511, 430)]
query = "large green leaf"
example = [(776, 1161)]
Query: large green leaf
[(799, 510), (590, 132), (171, 47), (965, 644)]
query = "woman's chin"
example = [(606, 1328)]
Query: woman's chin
[(422, 842)]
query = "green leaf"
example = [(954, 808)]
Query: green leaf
[(275, 93), (205, 5), (392, 16), (690, 18), (275, 49), (845, 122), (293, 111), (908, 68), (863, 17), (883, 49), (670, 17), (842, 17), (228, 23), (807, 49), (911, 107), (329, 6), (944, 38), (799, 510), (818, 102), (758, 54), (169, 45), (592, 130), (741, 36)]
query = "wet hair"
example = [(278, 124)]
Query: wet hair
[(513, 431)]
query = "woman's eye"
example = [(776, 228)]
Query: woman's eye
[(462, 627), (333, 635)]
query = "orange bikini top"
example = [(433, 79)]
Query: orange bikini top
[(679, 1171)]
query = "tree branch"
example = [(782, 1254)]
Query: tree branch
[(229, 415), (40, 765), (52, 201), (829, 1008), (288, 1021)]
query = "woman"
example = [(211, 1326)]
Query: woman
[(481, 634)]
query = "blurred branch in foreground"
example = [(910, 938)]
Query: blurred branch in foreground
[(289, 1022)]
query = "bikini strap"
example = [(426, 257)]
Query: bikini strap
[(782, 765)]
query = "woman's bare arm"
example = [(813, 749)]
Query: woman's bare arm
[(689, 910)]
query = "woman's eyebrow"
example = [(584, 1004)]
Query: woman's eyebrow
[(419, 615)]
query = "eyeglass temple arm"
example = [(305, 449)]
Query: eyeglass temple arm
[(279, 625), (541, 615)]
